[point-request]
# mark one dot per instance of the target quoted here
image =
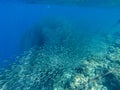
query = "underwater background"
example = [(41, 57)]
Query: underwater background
[(59, 45)]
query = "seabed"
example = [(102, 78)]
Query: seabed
[(67, 62)]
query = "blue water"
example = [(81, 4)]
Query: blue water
[(17, 18)]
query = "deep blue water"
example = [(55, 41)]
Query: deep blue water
[(17, 18)]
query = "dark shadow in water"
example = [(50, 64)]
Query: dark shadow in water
[(112, 82), (31, 38), (116, 23)]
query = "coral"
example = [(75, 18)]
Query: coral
[(65, 63)]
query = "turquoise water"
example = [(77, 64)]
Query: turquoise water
[(59, 46)]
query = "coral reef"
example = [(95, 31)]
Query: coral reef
[(66, 63)]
